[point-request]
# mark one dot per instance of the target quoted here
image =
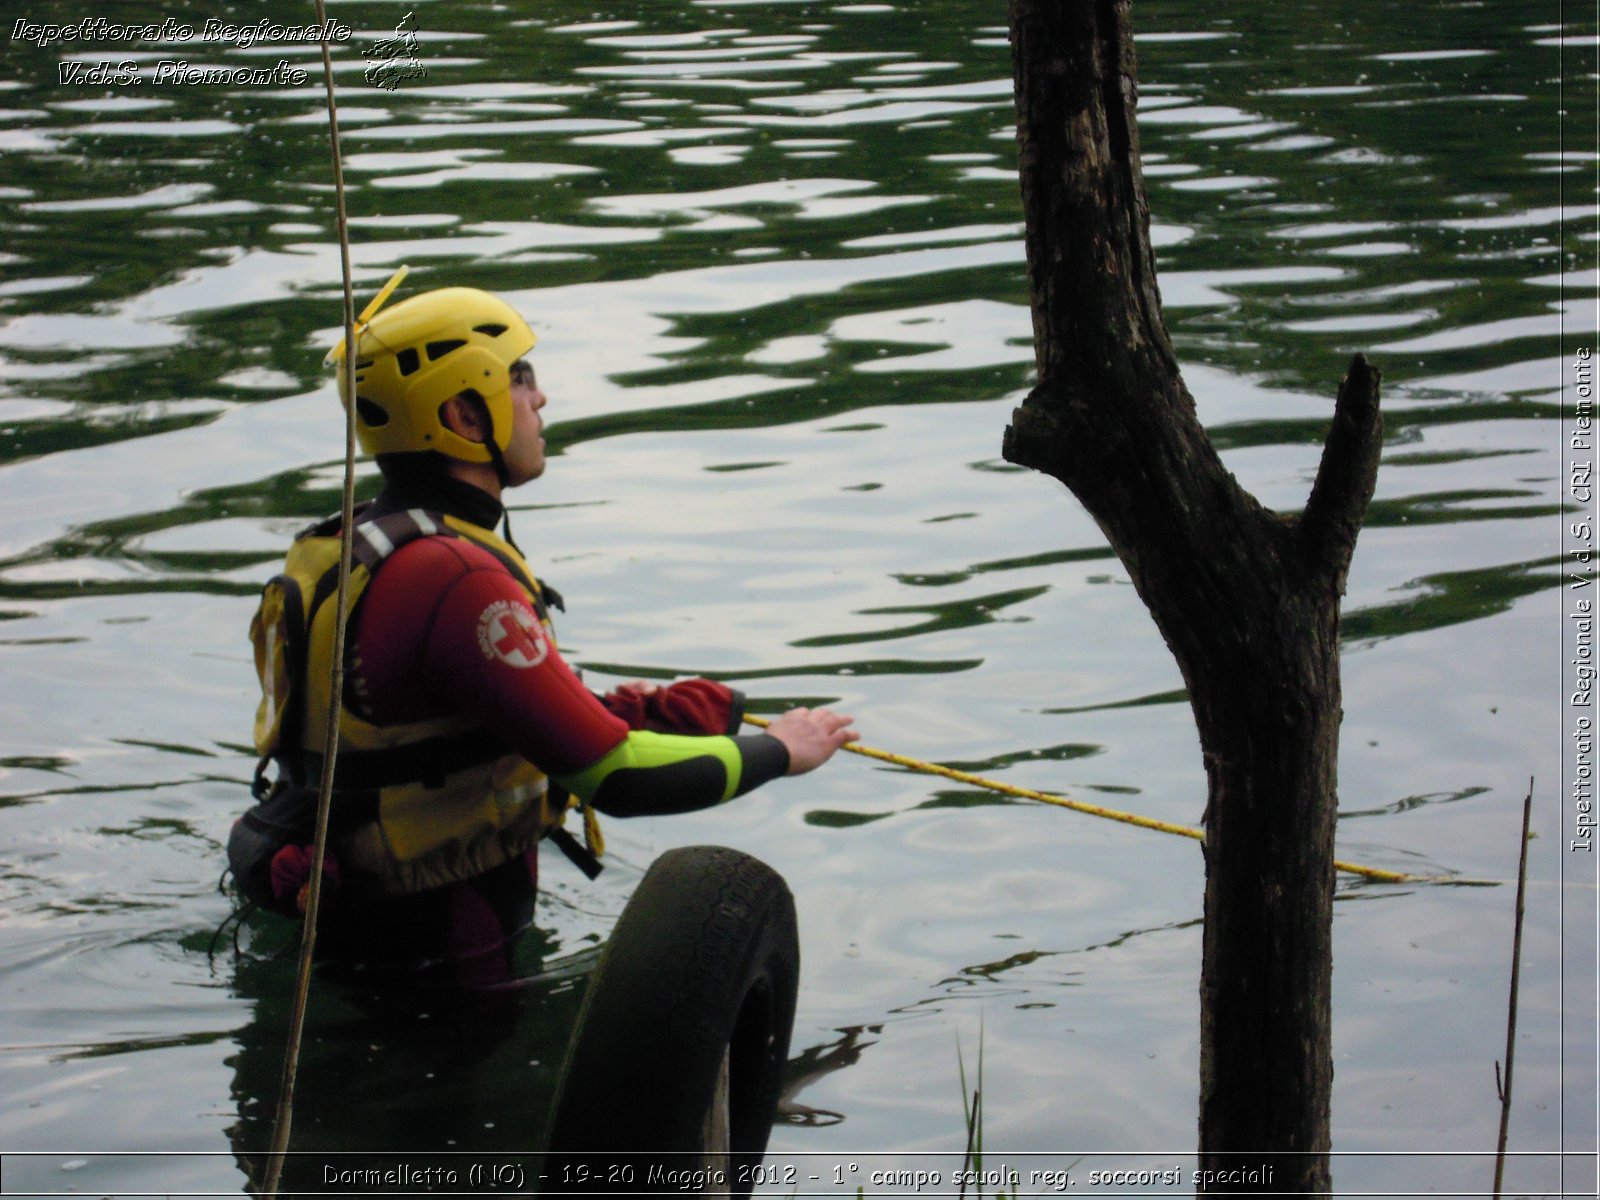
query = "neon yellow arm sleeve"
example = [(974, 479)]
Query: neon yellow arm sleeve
[(650, 773)]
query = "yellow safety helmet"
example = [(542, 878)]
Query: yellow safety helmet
[(413, 357)]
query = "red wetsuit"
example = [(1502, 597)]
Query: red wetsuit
[(444, 629), (435, 637)]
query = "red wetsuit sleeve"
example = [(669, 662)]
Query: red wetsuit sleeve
[(445, 628)]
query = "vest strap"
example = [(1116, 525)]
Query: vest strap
[(434, 759), (582, 857)]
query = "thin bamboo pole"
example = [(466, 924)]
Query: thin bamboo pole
[(308, 942)]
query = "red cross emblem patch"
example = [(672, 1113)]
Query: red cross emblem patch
[(511, 633)]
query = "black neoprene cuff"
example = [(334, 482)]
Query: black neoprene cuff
[(765, 759)]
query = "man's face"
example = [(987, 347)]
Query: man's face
[(525, 455)]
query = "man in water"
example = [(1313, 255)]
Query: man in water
[(464, 736)]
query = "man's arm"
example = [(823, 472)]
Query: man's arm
[(476, 647)]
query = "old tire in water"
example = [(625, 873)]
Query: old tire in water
[(675, 1068)]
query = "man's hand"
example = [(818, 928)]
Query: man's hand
[(812, 736)]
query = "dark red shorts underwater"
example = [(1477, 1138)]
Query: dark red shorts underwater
[(464, 933)]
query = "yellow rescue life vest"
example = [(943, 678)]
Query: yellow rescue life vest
[(415, 805)]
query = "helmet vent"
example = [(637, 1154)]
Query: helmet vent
[(437, 350), (408, 360), (490, 330), (372, 415)]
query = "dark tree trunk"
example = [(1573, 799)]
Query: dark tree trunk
[(1247, 599)]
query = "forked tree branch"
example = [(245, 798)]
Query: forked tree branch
[(1347, 475)]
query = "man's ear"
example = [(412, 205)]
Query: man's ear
[(464, 418)]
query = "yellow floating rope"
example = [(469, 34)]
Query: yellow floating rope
[(1093, 810)]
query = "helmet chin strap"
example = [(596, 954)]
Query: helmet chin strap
[(490, 442), (498, 458)]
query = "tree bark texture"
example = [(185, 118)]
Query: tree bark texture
[(1247, 599)]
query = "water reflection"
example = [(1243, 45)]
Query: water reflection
[(471, 1071)]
